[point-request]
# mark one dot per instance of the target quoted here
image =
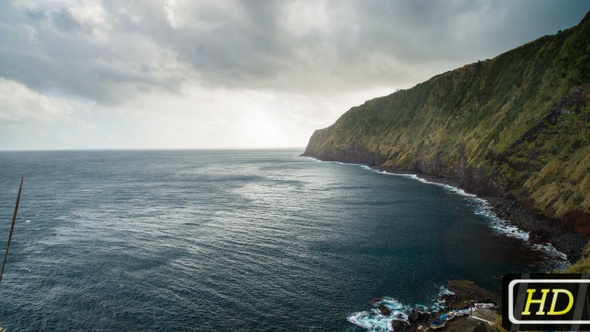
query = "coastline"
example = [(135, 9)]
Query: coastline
[(387, 313), (557, 237), (559, 240), (543, 233)]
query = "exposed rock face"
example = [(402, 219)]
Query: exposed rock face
[(401, 326), (515, 127), (384, 310), (417, 316)]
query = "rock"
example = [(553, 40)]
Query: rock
[(384, 310), (415, 316), (400, 326), (375, 300)]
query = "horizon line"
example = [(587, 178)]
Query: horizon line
[(152, 149)]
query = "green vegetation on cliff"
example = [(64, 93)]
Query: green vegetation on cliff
[(582, 265), (516, 125)]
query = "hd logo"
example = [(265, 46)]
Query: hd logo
[(541, 302)]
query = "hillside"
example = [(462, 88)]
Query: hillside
[(516, 126)]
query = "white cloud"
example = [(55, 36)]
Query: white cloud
[(20, 104), (92, 15), (88, 12), (225, 73), (173, 14), (304, 18)]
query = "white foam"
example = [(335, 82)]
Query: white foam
[(372, 320), (498, 224), (312, 158), (551, 251), (483, 208)]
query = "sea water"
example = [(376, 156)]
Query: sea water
[(233, 240)]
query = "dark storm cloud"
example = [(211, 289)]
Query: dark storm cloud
[(52, 51), (111, 51)]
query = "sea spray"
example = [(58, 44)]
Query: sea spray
[(374, 321), (484, 208), (502, 226)]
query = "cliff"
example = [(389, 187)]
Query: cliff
[(516, 126)]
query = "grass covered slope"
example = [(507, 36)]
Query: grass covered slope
[(517, 126)]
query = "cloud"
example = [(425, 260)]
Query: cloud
[(19, 104), (82, 50), (111, 51), (166, 66)]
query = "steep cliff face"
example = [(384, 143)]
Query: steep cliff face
[(517, 125)]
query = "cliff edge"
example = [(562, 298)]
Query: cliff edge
[(516, 127)]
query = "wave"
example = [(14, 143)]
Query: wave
[(311, 158), (373, 320), (483, 208)]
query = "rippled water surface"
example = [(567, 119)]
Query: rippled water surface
[(230, 240)]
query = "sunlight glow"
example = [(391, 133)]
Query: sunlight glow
[(261, 128)]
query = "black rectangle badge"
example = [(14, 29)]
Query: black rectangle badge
[(541, 302)]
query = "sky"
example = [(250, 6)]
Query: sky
[(186, 74)]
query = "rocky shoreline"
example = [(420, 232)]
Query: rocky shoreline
[(461, 294), (561, 234)]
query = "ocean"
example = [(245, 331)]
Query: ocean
[(246, 240)]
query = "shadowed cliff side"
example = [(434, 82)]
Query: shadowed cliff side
[(516, 126)]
